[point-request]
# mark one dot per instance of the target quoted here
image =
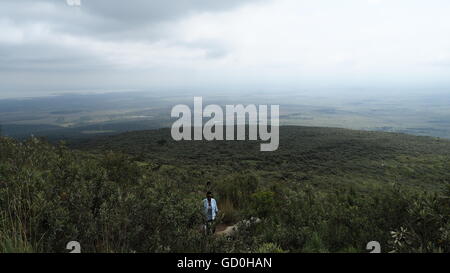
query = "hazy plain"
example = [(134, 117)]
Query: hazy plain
[(84, 115)]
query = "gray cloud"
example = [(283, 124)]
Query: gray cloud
[(111, 19), (99, 20), (47, 58), (142, 43), (149, 11)]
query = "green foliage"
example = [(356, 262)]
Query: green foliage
[(263, 204), (269, 248), (314, 244), (325, 190), (229, 214), (427, 228), (237, 189), (50, 196)]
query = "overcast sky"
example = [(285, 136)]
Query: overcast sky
[(48, 46)]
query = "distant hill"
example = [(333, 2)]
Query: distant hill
[(317, 155), (55, 133)]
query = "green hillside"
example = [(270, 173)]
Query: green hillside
[(316, 156), (324, 190)]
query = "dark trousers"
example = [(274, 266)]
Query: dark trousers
[(210, 227)]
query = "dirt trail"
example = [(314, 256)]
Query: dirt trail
[(224, 230), (227, 230)]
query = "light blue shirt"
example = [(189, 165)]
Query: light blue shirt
[(214, 209)]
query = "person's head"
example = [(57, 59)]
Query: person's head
[(209, 196)]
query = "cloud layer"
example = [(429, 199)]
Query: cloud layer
[(49, 46)]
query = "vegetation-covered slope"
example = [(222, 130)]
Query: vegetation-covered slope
[(324, 190), (319, 156)]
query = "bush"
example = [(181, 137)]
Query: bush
[(237, 189), (263, 204), (269, 248)]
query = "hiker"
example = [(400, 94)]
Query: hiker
[(211, 210), (208, 186)]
